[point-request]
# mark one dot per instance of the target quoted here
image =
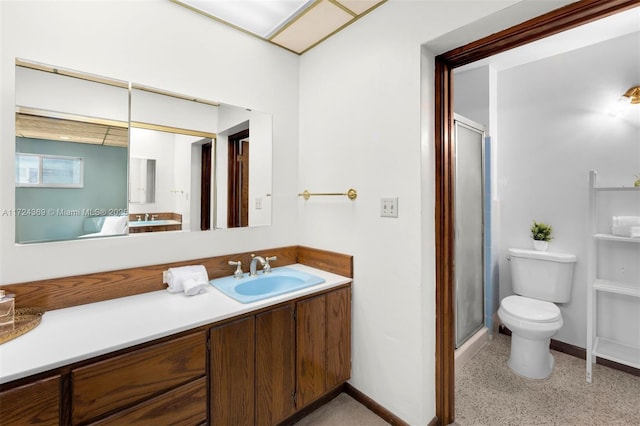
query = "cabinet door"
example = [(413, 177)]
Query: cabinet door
[(123, 380), (36, 403), (338, 337), (232, 370), (275, 365), (311, 350)]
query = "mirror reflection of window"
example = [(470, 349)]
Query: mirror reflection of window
[(71, 154)]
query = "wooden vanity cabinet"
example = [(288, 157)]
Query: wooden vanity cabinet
[(146, 383), (262, 369), (275, 365), (36, 403), (266, 367), (323, 356), (232, 373)]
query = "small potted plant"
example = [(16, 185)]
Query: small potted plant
[(541, 234), (637, 182)]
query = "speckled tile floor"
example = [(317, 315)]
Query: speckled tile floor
[(343, 410), (489, 393)]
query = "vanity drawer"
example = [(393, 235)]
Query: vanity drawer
[(119, 382), (186, 405), (36, 403)]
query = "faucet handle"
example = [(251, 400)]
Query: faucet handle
[(267, 268), (238, 272)]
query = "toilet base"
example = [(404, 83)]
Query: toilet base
[(530, 358)]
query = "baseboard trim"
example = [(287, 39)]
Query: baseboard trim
[(581, 353), (312, 407), (372, 405)]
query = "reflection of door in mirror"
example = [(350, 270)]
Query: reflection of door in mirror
[(205, 186), (238, 192)]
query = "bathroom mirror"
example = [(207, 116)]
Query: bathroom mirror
[(122, 132)]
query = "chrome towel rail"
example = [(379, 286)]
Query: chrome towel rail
[(351, 193)]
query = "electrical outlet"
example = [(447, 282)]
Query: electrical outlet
[(259, 203), (389, 207)]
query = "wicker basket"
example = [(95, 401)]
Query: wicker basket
[(26, 319)]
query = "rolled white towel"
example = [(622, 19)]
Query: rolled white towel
[(175, 277), (195, 285), (625, 221)]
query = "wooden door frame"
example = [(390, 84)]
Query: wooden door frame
[(233, 194), (556, 21)]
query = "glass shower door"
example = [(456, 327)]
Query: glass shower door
[(469, 223)]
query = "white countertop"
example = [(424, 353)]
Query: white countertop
[(81, 332)]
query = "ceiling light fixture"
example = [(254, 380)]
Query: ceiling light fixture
[(259, 17), (633, 95)]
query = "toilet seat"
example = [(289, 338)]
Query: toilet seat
[(531, 310)]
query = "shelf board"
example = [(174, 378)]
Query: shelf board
[(610, 237), (617, 287), (617, 188), (617, 352)]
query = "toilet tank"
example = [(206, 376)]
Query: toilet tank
[(542, 275)]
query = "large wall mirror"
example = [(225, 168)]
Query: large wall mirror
[(99, 157)]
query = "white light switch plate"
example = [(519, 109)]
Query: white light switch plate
[(389, 207)]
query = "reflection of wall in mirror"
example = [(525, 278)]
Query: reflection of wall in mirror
[(105, 171), (260, 170), (177, 155)]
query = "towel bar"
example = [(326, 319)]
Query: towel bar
[(351, 193)]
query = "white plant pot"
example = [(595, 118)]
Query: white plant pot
[(540, 245)]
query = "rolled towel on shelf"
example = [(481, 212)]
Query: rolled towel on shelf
[(175, 277), (635, 232), (626, 220), (622, 226), (195, 285)]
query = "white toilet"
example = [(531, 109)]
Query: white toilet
[(539, 280)]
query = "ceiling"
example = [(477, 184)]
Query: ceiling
[(66, 128), (295, 25)]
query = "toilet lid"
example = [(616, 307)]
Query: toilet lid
[(531, 309)]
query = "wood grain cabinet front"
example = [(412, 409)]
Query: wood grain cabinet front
[(275, 365), (36, 403), (134, 378), (323, 356), (232, 373)]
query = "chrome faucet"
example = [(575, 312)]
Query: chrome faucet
[(266, 267), (254, 261), (238, 272), (146, 216)]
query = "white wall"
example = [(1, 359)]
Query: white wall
[(361, 126), (553, 130), (162, 45)]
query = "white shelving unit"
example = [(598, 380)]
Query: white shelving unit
[(598, 346)]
